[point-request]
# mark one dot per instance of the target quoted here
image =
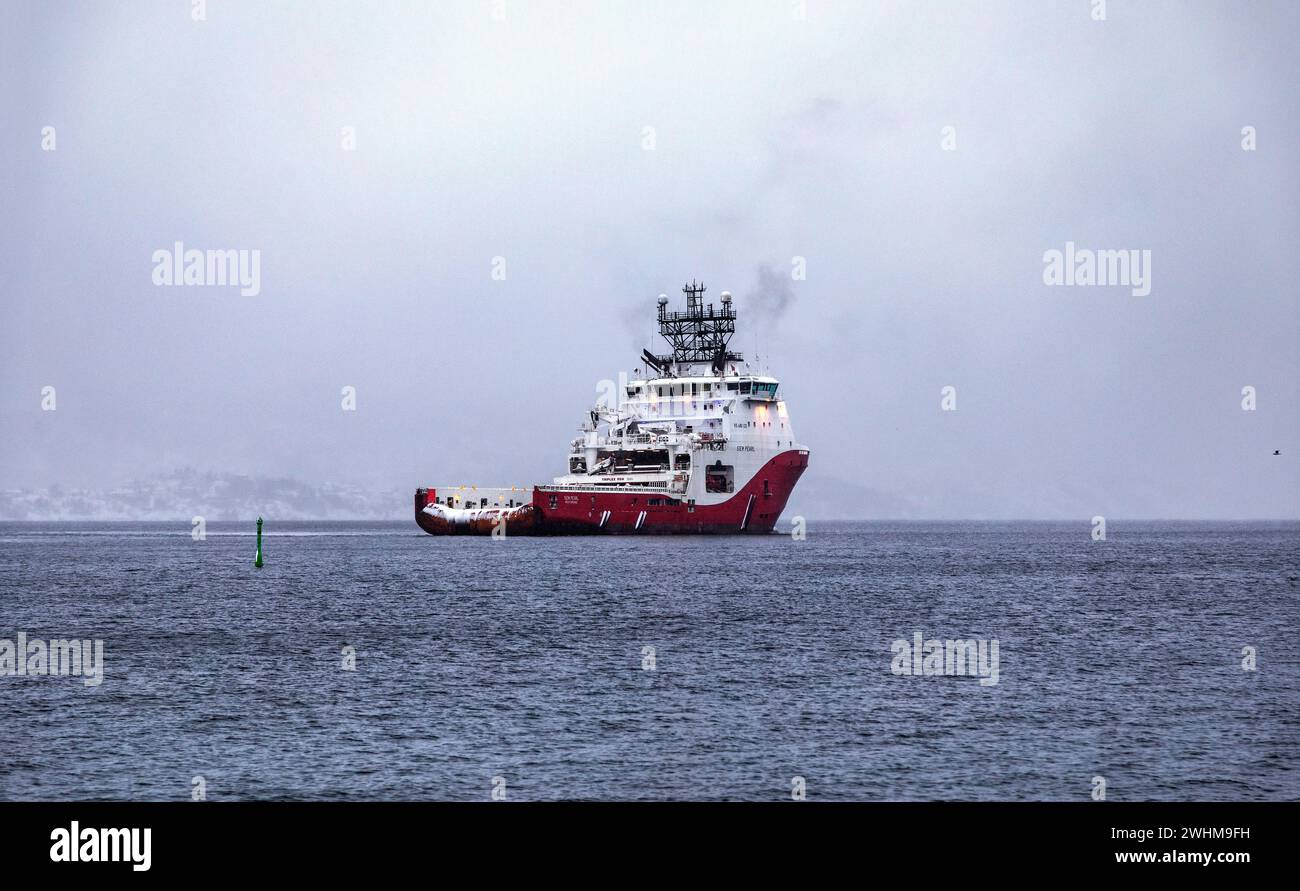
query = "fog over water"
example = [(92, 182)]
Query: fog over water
[(773, 138)]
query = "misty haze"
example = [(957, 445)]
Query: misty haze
[(386, 162)]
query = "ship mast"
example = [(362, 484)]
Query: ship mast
[(697, 336)]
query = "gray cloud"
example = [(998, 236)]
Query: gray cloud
[(767, 300)]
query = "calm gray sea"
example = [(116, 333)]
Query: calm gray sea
[(527, 660)]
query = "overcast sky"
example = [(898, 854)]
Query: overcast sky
[(773, 138)]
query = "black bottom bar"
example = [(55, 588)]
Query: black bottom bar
[(336, 840)]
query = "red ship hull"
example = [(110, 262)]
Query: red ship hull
[(754, 508)]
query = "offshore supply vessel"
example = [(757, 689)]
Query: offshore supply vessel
[(698, 443)]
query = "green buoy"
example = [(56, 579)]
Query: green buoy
[(258, 562)]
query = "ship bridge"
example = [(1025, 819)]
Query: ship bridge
[(699, 408)]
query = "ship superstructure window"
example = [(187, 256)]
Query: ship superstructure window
[(745, 386), (635, 461), (732, 385), (719, 477)]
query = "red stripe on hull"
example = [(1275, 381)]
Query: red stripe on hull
[(583, 512)]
